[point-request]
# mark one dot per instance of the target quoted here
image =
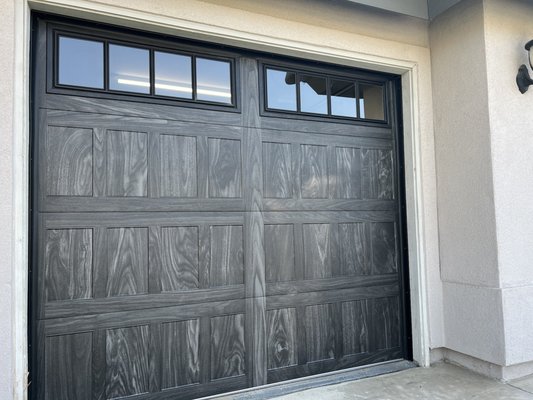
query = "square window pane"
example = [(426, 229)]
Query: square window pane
[(281, 90), (81, 62), (213, 80), (173, 75), (129, 69), (371, 101), (313, 96), (343, 102)]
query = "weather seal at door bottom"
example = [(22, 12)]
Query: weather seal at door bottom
[(309, 382)]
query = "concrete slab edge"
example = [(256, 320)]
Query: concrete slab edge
[(486, 368)]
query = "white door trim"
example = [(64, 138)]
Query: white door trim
[(21, 193), (98, 11)]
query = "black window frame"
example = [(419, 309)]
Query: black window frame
[(150, 42), (346, 74)]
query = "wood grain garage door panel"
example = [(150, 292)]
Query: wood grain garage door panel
[(113, 164), (180, 353), (69, 359), (70, 161), (186, 251)]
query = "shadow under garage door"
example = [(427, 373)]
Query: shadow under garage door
[(203, 233)]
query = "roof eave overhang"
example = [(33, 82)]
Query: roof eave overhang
[(425, 9)]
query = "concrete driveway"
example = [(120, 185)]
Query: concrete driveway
[(442, 381)]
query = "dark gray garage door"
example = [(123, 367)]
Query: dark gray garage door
[(206, 220)]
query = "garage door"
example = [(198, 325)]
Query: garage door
[(208, 219)]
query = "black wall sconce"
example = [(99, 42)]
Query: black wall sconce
[(523, 80)]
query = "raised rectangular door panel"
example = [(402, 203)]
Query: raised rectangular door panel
[(69, 367), (179, 258), (277, 167), (70, 161), (383, 248), (225, 173), (348, 177), (279, 253), (127, 261), (314, 172), (127, 163), (127, 361), (354, 248), (356, 329), (179, 166), (227, 262), (228, 356), (180, 353), (320, 331), (317, 250), (68, 264), (282, 338), (377, 174), (385, 322)]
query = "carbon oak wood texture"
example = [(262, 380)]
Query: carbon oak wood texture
[(127, 361), (227, 263), (68, 264), (282, 338), (179, 174), (313, 171), (255, 286), (224, 168), (127, 250), (227, 346), (277, 166), (180, 364), (70, 161), (69, 359), (180, 258), (182, 252), (127, 163), (279, 252), (320, 331)]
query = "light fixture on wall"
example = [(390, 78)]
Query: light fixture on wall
[(523, 80)]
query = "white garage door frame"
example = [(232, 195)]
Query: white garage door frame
[(408, 69)]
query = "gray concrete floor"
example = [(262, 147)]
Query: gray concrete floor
[(442, 381)]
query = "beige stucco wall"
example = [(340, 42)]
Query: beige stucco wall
[(340, 15), (338, 32), (483, 140), (508, 27), (469, 260)]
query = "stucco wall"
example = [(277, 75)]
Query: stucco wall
[(6, 193), (467, 228), (483, 140), (507, 28), (340, 15), (297, 28)]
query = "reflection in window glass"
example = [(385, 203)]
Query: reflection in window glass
[(281, 90), (173, 76), (371, 101), (313, 94), (213, 80), (81, 62), (343, 101), (129, 69)]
